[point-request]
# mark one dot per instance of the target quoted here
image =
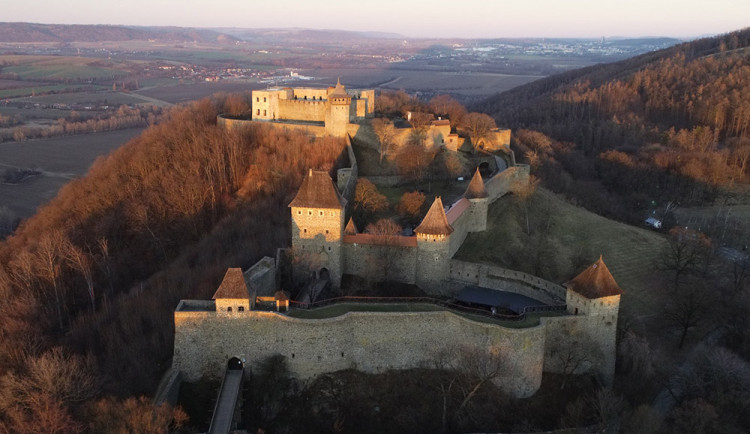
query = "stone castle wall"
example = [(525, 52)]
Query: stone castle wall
[(302, 110), (490, 276), (501, 183), (364, 258), (368, 341)]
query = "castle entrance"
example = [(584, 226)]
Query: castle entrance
[(234, 364), (324, 274)]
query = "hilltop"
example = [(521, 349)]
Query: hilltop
[(667, 126), (38, 33)]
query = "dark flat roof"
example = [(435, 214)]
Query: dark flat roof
[(495, 297)]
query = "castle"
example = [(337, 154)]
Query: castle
[(580, 322), (336, 111)]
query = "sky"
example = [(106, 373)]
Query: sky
[(411, 18)]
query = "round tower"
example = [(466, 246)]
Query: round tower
[(433, 246), (479, 199), (318, 225)]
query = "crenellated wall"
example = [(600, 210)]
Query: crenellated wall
[(302, 110), (368, 341)]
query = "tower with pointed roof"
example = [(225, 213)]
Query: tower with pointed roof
[(433, 246), (595, 295), (338, 110), (477, 195), (318, 224)]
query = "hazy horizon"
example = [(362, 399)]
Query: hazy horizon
[(436, 19)]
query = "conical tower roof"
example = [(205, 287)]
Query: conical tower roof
[(350, 228), (317, 191), (435, 222), (595, 282), (233, 285), (476, 189), (339, 91)]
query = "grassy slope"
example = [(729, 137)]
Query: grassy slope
[(631, 253)]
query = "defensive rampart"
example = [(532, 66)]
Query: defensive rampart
[(490, 276), (368, 341)]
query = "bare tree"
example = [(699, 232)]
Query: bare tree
[(49, 256), (445, 105), (387, 231), (82, 262), (478, 126), (685, 252), (686, 310), (421, 120), (472, 370), (368, 200), (574, 357), (385, 132), (523, 190)]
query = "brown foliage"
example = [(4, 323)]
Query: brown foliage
[(411, 206), (158, 220), (134, 415), (367, 198), (478, 126)]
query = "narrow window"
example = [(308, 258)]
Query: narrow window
[(299, 212), (304, 230), (258, 112), (264, 112), (321, 213), (264, 99), (309, 212), (229, 309), (326, 230), (257, 99)]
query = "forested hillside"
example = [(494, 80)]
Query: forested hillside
[(89, 284), (672, 125)]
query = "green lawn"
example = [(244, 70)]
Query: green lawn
[(631, 253)]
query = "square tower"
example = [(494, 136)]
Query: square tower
[(318, 225)]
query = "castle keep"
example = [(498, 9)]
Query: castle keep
[(332, 108), (581, 318)]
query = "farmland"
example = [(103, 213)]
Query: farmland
[(59, 159)]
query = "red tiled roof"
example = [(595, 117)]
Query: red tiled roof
[(595, 282), (476, 189), (435, 222), (318, 191), (456, 210), (350, 228), (232, 286)]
